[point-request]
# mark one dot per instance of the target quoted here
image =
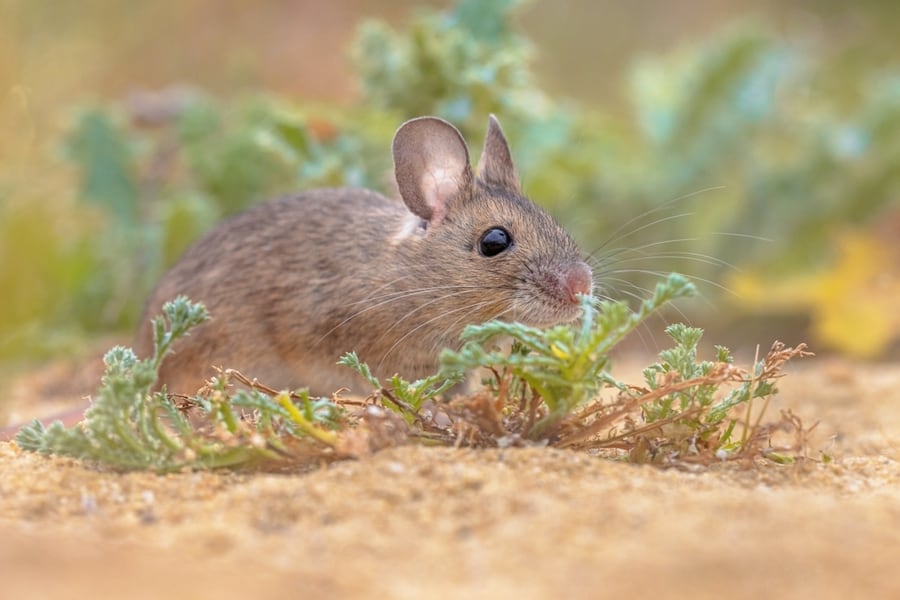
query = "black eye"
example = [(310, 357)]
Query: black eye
[(494, 241)]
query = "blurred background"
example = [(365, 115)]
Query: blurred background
[(754, 146)]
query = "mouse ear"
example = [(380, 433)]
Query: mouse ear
[(431, 163), (496, 165)]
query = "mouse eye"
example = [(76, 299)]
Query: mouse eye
[(494, 241)]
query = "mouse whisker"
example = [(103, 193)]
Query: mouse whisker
[(636, 230), (424, 305), (386, 300), (622, 232), (397, 343), (403, 293)]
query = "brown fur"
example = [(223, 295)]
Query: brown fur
[(295, 282)]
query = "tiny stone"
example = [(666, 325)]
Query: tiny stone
[(88, 504)]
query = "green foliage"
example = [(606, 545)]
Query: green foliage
[(549, 386), (681, 361), (730, 135), (564, 366), (263, 147), (101, 150), (54, 254), (691, 407), (462, 64), (546, 389), (146, 193), (129, 426), (737, 111), (401, 395), (465, 63)]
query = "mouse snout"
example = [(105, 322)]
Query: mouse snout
[(577, 280)]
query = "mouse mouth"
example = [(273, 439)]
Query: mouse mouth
[(554, 294), (548, 316)]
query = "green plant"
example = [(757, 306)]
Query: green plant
[(547, 389), (462, 64), (726, 139), (700, 414), (563, 367), (130, 426), (401, 395)]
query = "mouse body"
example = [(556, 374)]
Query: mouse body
[(294, 283)]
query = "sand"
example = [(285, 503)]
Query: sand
[(416, 522)]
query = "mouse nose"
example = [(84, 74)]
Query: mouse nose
[(578, 280)]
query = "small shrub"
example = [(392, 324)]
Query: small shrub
[(546, 390), (129, 426)]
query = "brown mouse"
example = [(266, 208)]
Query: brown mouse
[(294, 283)]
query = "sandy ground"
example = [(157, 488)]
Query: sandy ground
[(417, 522)]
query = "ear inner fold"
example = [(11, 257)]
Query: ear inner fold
[(431, 163)]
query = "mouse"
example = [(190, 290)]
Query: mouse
[(295, 282)]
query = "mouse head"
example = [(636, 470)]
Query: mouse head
[(477, 231)]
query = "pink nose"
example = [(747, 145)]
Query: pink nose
[(578, 280)]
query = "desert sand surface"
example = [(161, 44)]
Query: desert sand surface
[(419, 522)]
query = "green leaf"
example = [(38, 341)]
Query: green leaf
[(105, 158), (565, 366), (128, 426)]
